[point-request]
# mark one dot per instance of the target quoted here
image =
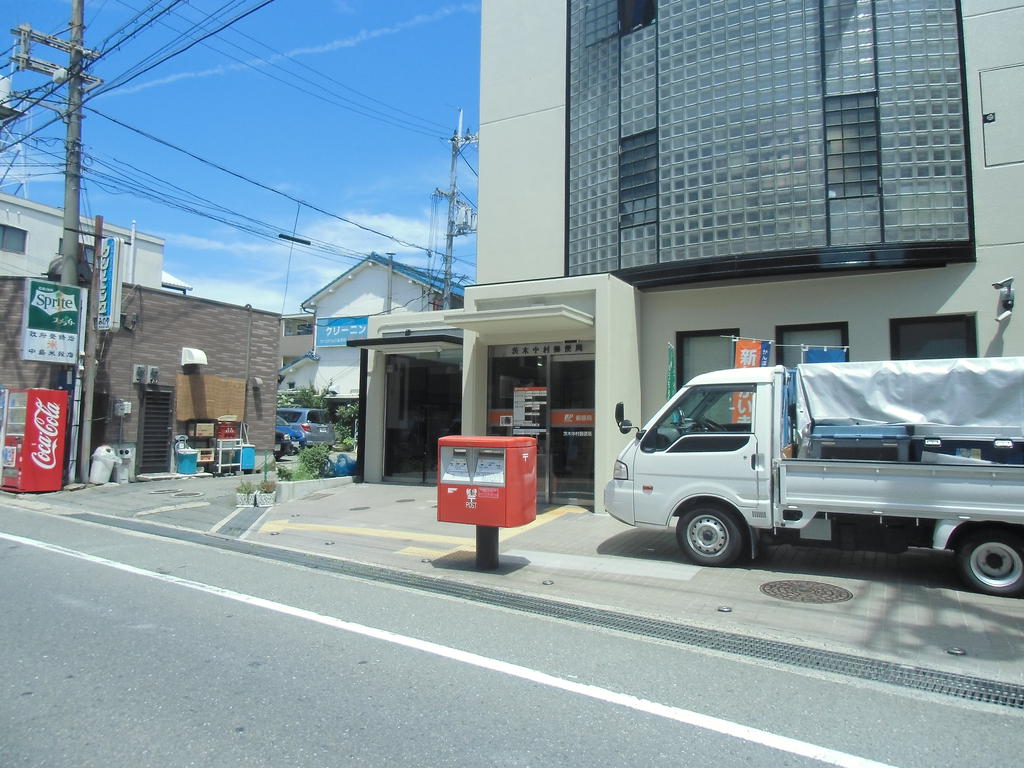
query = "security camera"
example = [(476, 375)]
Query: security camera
[(1006, 298)]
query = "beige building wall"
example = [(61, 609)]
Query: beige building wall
[(521, 233)]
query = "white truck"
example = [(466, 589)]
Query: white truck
[(869, 456)]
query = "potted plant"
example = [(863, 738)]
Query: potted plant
[(245, 494), (266, 492)]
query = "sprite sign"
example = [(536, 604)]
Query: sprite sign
[(52, 322)]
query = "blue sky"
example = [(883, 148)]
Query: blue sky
[(344, 105)]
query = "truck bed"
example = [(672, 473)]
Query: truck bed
[(904, 489)]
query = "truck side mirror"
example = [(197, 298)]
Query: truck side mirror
[(625, 425)]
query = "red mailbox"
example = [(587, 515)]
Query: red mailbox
[(487, 481)]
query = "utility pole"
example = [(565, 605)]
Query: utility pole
[(461, 218), (89, 364), (73, 149), (75, 79), (391, 273)]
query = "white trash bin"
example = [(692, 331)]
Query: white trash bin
[(103, 461)]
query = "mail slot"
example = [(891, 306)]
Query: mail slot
[(488, 481)]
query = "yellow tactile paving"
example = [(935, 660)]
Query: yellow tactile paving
[(455, 543)]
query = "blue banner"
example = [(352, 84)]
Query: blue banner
[(336, 331), (825, 355)]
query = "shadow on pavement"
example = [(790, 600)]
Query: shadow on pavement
[(466, 561)]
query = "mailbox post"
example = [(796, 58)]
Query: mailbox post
[(489, 482)]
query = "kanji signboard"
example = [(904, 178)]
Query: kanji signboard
[(52, 322)]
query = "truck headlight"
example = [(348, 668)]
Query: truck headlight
[(621, 471)]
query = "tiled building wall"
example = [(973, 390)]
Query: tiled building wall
[(782, 125)]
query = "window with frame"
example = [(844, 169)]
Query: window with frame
[(790, 340), (930, 338), (851, 145), (12, 239), (298, 328), (715, 418), (699, 352), (638, 179), (636, 14)]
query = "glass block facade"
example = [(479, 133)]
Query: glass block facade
[(780, 127)]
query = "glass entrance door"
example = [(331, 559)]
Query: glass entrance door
[(547, 391), (571, 430), (423, 402)]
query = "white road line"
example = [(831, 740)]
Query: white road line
[(688, 717)]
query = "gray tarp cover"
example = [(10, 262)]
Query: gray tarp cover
[(961, 392)]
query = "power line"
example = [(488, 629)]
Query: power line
[(125, 79), (259, 184)]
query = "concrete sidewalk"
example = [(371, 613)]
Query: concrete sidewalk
[(908, 608)]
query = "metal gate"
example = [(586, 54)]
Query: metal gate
[(156, 424)]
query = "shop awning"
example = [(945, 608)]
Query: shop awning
[(409, 345), (522, 320)]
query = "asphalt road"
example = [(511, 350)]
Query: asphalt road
[(126, 650)]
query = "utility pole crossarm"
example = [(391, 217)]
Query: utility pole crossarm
[(23, 59)]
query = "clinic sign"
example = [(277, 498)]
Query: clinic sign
[(52, 322), (336, 331), (108, 309)]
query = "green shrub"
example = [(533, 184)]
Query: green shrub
[(312, 459)]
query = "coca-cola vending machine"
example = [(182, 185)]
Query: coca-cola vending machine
[(34, 430)]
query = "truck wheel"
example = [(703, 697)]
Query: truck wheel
[(992, 562), (709, 535)]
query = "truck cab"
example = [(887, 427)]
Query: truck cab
[(710, 445)]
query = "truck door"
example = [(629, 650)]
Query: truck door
[(703, 445)]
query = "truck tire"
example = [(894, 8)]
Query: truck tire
[(709, 535), (992, 561)]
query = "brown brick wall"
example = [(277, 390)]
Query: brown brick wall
[(157, 325)]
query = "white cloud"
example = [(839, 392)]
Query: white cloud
[(357, 39), (414, 232), (242, 270)]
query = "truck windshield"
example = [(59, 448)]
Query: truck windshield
[(724, 408)]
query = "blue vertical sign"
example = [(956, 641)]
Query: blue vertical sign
[(108, 312)]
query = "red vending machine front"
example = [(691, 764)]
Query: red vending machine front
[(35, 432)]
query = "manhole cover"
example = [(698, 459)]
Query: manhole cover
[(167, 490), (187, 494), (806, 591)]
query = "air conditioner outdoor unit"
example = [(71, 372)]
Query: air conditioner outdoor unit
[(152, 374), (138, 374), (190, 356)]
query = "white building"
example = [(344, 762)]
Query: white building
[(30, 240), (659, 179), (339, 313)]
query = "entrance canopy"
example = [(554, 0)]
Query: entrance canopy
[(411, 344), (521, 321)]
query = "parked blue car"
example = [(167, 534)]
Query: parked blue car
[(315, 424), (287, 439)]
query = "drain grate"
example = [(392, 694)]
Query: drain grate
[(903, 675), (166, 490), (357, 509), (187, 494), (806, 592), (403, 501)]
